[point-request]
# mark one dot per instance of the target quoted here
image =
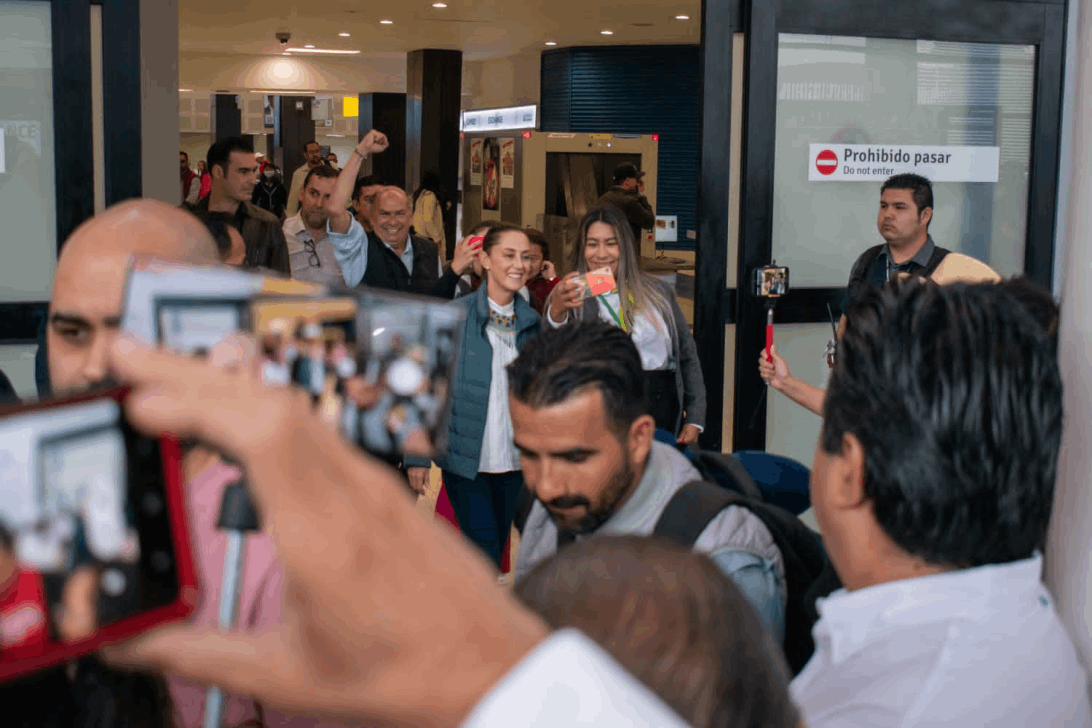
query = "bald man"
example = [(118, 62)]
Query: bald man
[(390, 257), (84, 315)]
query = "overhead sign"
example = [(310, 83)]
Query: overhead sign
[(877, 162), (515, 117)]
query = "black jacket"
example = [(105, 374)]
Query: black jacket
[(386, 270), (262, 232), (271, 199)]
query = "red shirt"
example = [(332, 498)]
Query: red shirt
[(540, 289), (23, 616)]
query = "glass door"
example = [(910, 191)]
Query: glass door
[(967, 96)]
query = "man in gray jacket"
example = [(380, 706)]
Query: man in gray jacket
[(579, 404)]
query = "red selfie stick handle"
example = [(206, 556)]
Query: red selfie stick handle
[(769, 334)]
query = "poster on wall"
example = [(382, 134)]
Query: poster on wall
[(491, 174), (877, 162), (475, 162), (268, 113), (508, 163)]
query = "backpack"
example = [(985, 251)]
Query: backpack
[(860, 276), (697, 503)]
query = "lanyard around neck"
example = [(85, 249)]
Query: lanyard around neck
[(615, 316)]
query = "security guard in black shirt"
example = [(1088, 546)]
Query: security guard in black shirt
[(906, 208)]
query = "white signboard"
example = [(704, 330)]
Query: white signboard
[(877, 162), (515, 117)]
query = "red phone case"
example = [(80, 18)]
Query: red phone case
[(171, 456)]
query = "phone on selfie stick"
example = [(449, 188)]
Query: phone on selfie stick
[(771, 282)]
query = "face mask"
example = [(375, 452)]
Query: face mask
[(269, 174)]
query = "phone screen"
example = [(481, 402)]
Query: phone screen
[(93, 545), (377, 365)]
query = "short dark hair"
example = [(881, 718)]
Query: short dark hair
[(955, 395), (920, 187), (559, 363), (183, 154), (495, 231), (539, 239), (674, 620), (320, 171), (371, 180), (310, 143), (1038, 301), (7, 539), (220, 153)]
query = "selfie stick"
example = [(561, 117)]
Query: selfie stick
[(238, 518)]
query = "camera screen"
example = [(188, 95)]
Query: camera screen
[(378, 367), (194, 328), (84, 535)]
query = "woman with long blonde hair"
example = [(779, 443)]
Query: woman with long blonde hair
[(644, 307)]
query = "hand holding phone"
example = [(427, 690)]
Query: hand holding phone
[(93, 540)]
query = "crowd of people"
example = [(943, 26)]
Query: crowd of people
[(932, 484)]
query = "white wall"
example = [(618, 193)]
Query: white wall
[(356, 75), (510, 81)]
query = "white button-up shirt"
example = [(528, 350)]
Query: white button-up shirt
[(569, 680), (977, 647), (327, 271)]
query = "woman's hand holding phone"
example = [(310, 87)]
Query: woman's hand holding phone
[(566, 296)]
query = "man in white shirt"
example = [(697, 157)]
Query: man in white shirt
[(932, 484), (310, 250)]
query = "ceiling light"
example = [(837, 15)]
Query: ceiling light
[(344, 35), (185, 90), (682, 17), (439, 5), (606, 32), (386, 22), (308, 46), (328, 51), (550, 43)]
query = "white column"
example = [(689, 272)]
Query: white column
[(159, 133), (1069, 546)]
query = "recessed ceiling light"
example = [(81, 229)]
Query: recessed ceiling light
[(606, 32), (550, 42), (344, 35), (308, 46), (682, 17), (328, 51), (439, 5), (386, 22)]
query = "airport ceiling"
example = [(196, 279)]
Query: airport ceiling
[(482, 30)]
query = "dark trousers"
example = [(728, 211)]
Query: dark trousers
[(485, 507), (663, 400)]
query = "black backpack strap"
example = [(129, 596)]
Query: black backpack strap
[(691, 510), (525, 501), (861, 273), (939, 254)]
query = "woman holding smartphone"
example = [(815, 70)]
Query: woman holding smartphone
[(646, 308), (481, 467)]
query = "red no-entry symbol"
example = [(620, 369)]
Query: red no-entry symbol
[(826, 162)]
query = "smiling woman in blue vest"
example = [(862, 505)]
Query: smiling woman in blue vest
[(481, 466)]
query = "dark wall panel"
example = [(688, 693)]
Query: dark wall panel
[(386, 112), (634, 90)]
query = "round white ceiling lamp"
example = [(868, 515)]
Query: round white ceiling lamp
[(344, 35), (682, 17), (606, 32), (551, 43), (386, 22)]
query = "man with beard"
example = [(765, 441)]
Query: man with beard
[(579, 403), (310, 250)]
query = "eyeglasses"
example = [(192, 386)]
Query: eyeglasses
[(313, 259)]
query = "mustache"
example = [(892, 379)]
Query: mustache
[(568, 501)]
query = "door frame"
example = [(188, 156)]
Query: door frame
[(1021, 22), (73, 138)]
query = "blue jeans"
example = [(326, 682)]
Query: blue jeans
[(485, 507)]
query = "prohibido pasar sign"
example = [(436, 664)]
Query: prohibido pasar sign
[(877, 162)]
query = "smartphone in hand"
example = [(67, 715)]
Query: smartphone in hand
[(94, 546)]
